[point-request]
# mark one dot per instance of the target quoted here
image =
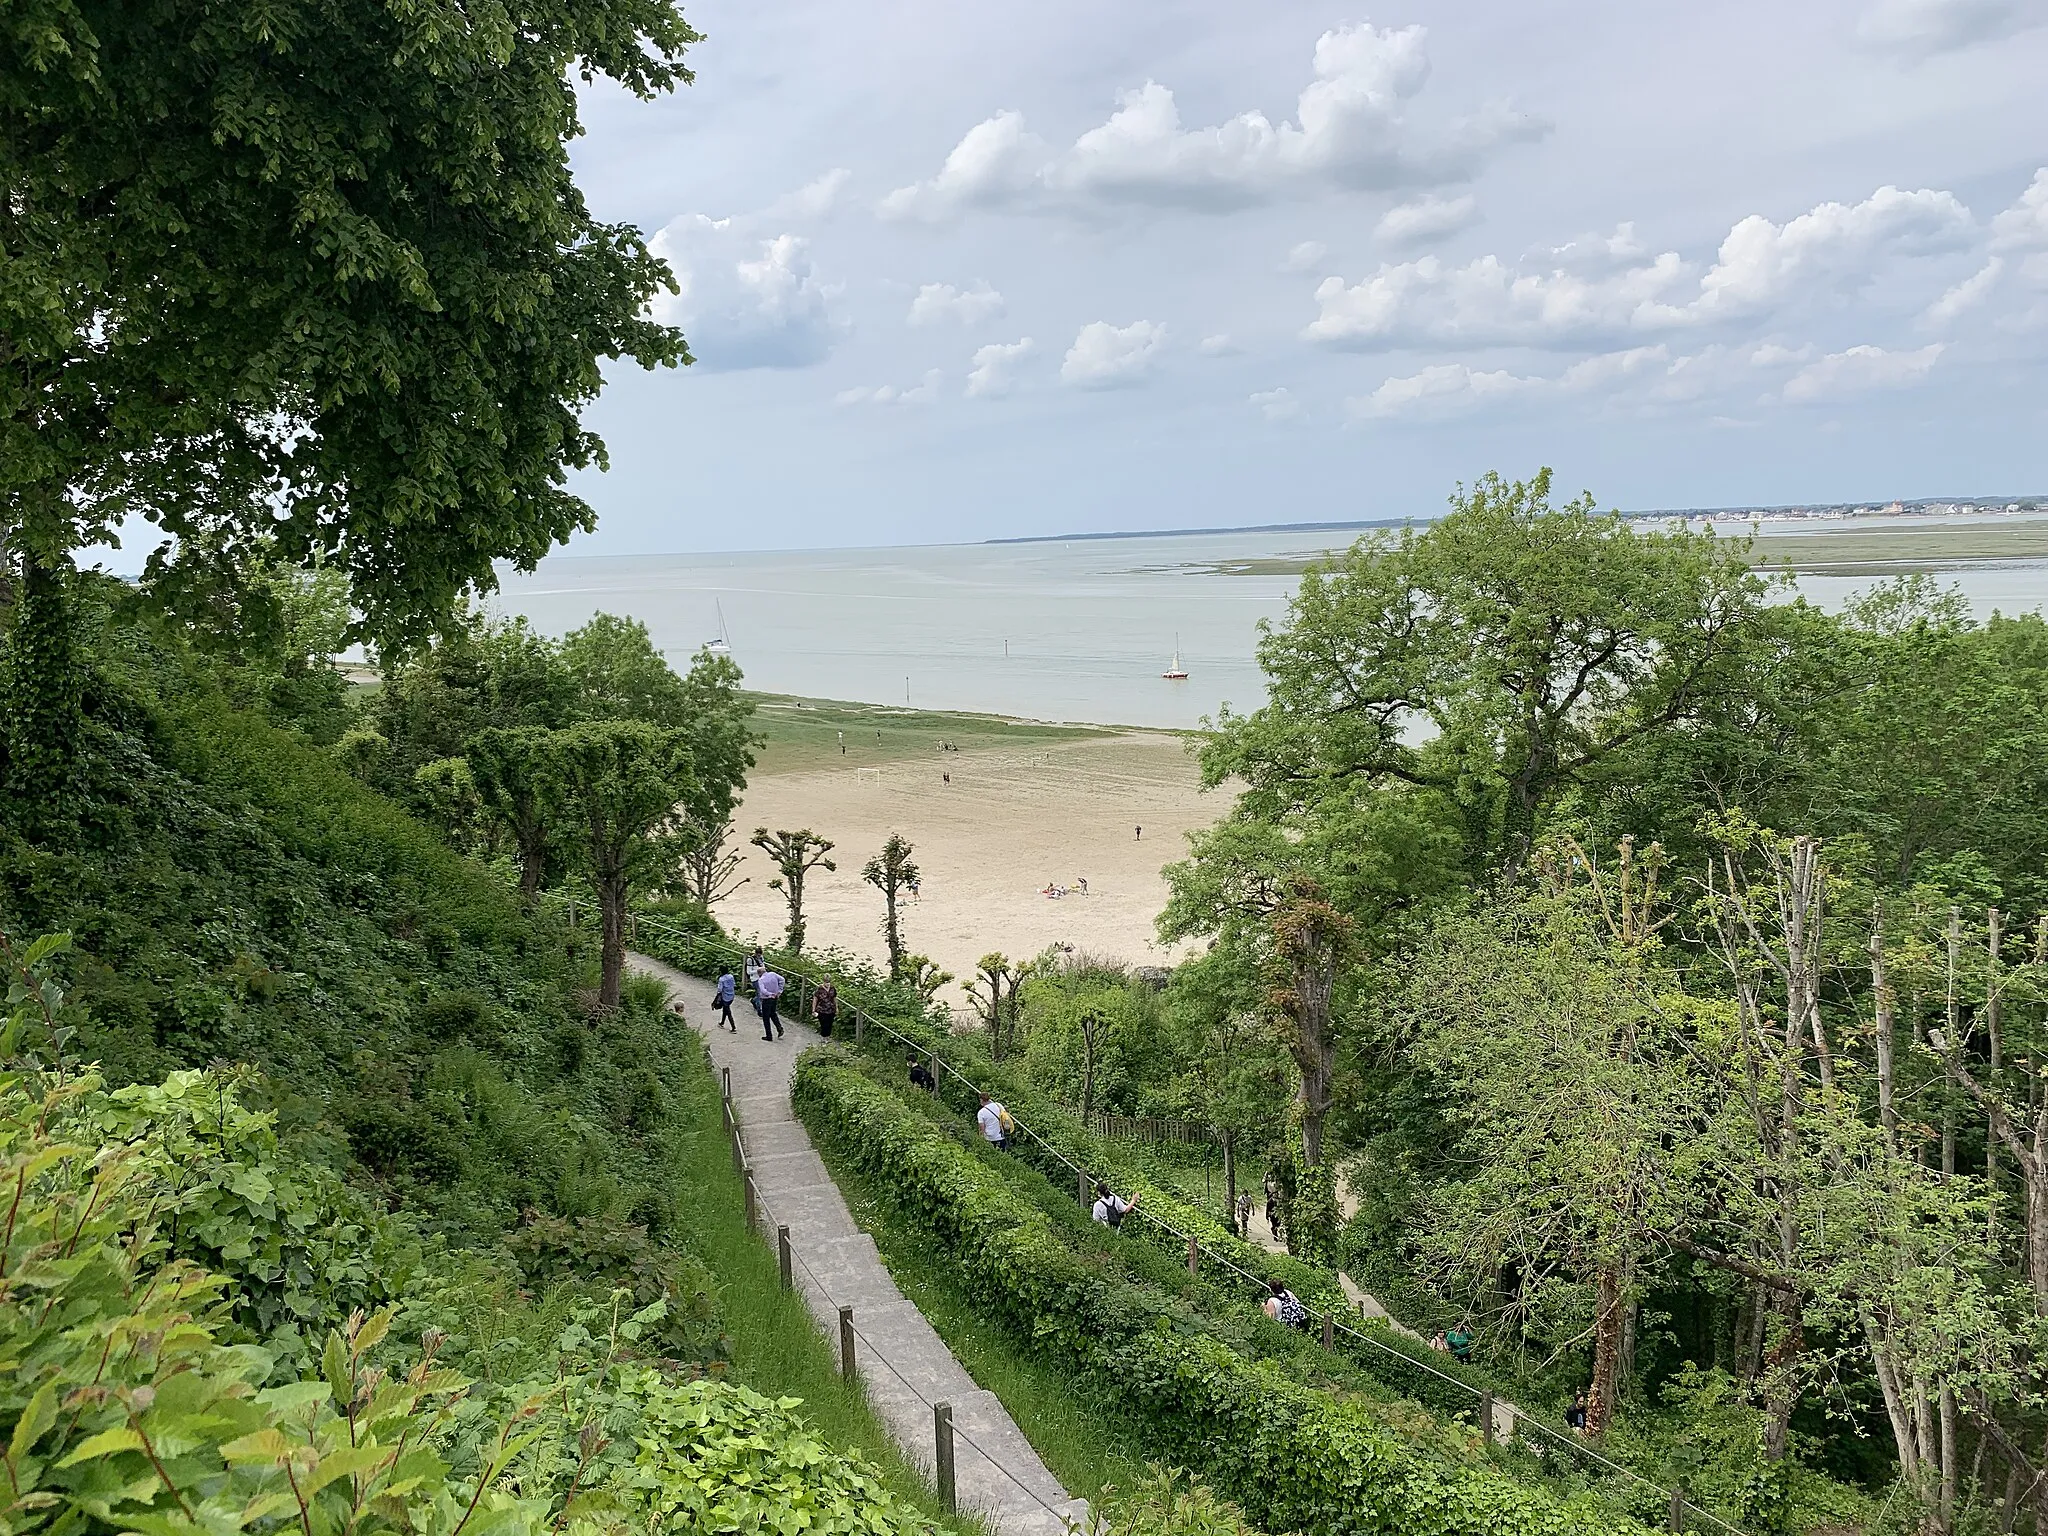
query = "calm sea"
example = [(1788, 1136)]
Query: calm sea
[(1077, 631)]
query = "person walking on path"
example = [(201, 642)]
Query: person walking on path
[(994, 1121), (1283, 1306), (921, 1076), (756, 964), (728, 989), (1110, 1209), (825, 1007), (770, 989)]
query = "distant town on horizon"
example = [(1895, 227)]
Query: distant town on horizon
[(1930, 506)]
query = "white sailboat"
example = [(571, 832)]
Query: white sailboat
[(1176, 673), (722, 645)]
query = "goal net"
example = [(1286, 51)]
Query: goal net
[(867, 776)]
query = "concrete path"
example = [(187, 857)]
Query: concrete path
[(905, 1366)]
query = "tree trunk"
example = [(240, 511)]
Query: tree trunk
[(41, 710), (1610, 1301), (1087, 1072), (1230, 1180), (533, 854), (611, 916), (891, 933), (1781, 1383)]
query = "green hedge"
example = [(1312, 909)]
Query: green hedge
[(1295, 1458)]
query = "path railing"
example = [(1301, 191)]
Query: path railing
[(1540, 1438)]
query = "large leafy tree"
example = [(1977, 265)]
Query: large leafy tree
[(311, 277), (513, 773), (1494, 660)]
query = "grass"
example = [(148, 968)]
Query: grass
[(776, 1347), (1083, 1441), (803, 734)]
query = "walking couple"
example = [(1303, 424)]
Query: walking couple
[(764, 984)]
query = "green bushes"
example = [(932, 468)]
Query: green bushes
[(1293, 1457)]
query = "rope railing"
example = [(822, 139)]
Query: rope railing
[(1520, 1420)]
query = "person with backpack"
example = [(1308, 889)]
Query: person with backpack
[(921, 1076), (995, 1123), (1460, 1341), (1111, 1209), (825, 1007), (728, 989), (769, 990), (1283, 1306), (757, 963)]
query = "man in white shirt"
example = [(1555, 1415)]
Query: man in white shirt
[(990, 1118), (769, 990), (1111, 1209)]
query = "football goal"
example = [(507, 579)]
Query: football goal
[(868, 776)]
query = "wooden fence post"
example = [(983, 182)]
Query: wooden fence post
[(942, 1436), (1486, 1418), (1194, 1256), (753, 1200), (725, 1083), (782, 1254), (1081, 1183), (860, 1027), (1329, 1330), (1677, 1520), (846, 1342)]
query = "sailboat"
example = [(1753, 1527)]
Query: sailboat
[(1176, 673), (722, 645)]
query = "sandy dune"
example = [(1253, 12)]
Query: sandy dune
[(988, 843)]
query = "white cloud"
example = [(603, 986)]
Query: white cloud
[(1443, 389), (746, 301), (1600, 253), (1966, 295), (937, 303), (1219, 346), (1861, 369), (2024, 226), (1921, 28), (1275, 404), (1425, 220), (1104, 356), (1760, 268), (992, 372), (1350, 132), (889, 394), (1608, 369), (1305, 256), (814, 200)]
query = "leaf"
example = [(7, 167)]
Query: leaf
[(268, 1445), (38, 1416), (108, 1442)]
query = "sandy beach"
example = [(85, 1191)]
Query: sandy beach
[(993, 826)]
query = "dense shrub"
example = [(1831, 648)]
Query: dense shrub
[(1294, 1458)]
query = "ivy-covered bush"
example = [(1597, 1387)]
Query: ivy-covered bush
[(1293, 1458)]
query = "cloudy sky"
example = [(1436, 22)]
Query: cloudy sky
[(955, 269)]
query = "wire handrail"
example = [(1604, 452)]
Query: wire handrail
[(1517, 1415)]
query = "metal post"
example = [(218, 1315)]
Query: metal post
[(1329, 1330), (1677, 1520), (1194, 1256), (782, 1254), (846, 1342), (753, 1201), (1486, 1418), (942, 1436)]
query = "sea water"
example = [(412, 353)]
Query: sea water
[(1076, 630)]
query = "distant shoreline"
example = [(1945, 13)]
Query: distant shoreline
[(1932, 506)]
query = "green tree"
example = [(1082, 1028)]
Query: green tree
[(323, 280), (1495, 660), (993, 992), (891, 872), (795, 854), (620, 675), (621, 782), (517, 783)]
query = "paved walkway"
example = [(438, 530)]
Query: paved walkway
[(904, 1364)]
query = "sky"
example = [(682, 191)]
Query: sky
[(955, 270)]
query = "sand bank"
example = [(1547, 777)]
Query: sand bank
[(993, 826)]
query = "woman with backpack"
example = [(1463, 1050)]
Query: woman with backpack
[(1111, 1209), (1283, 1306)]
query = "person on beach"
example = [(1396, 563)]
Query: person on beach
[(728, 989), (769, 990), (1140, 837), (994, 1122), (825, 1007), (1283, 1306), (1111, 1209)]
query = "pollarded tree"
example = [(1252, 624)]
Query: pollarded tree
[(993, 992), (705, 869), (621, 781), (795, 854), (517, 780), (320, 281), (892, 872), (1310, 938)]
